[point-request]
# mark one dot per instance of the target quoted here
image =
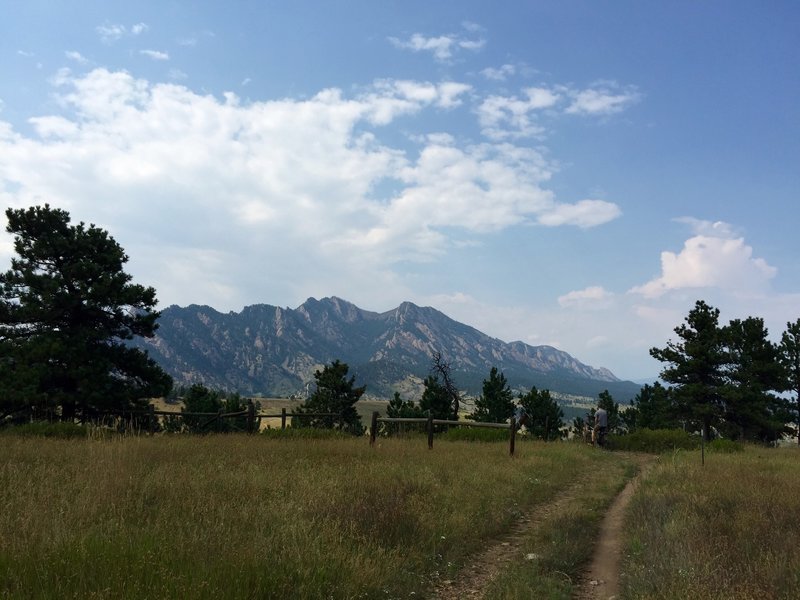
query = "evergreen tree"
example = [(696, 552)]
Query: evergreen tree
[(790, 360), (67, 313), (436, 399), (545, 417), (496, 403), (654, 408), (752, 410), (399, 408), (696, 367), (336, 394)]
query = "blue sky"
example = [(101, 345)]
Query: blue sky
[(568, 173)]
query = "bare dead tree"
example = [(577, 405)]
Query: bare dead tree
[(441, 367)]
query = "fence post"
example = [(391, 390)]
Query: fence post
[(251, 416), (151, 418), (512, 436), (373, 428), (430, 430), (283, 418)]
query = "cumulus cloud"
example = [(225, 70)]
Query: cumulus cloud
[(714, 258), (243, 193), (591, 297), (139, 28), (504, 117), (155, 54), (442, 47), (508, 117)]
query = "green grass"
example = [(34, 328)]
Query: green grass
[(725, 530), (232, 516)]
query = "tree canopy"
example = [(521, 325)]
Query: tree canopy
[(695, 366), (496, 403), (545, 417), (728, 378), (336, 394), (790, 360), (67, 313)]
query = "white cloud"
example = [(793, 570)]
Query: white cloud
[(177, 74), (504, 117), (246, 81), (604, 100), (112, 32), (584, 214), (442, 47), (76, 56), (217, 198), (713, 258), (25, 54), (109, 32), (500, 74), (155, 54), (591, 297)]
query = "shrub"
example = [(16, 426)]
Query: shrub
[(48, 429), (724, 446), (475, 434), (654, 440), (306, 433)]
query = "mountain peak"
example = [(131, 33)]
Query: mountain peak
[(275, 351)]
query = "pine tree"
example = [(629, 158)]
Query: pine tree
[(496, 403), (335, 394), (545, 417), (654, 408), (790, 360), (696, 367), (67, 313), (436, 399), (752, 410)]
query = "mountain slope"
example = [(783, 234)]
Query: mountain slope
[(274, 351)]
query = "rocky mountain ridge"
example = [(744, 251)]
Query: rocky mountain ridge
[(272, 351)]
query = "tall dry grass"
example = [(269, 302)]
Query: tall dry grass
[(232, 516), (726, 530)]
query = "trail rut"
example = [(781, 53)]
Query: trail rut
[(599, 582)]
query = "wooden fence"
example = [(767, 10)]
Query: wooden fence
[(430, 423), (253, 418)]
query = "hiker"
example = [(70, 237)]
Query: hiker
[(520, 416), (600, 426)]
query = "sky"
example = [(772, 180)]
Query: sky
[(570, 173)]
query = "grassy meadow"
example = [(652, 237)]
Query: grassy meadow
[(236, 516), (729, 529)]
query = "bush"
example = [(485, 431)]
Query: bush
[(475, 434), (724, 446), (306, 433), (48, 429), (654, 440)]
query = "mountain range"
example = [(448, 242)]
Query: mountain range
[(271, 351)]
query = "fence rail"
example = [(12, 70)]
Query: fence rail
[(430, 422)]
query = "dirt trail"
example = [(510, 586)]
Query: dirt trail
[(484, 567), (601, 579)]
